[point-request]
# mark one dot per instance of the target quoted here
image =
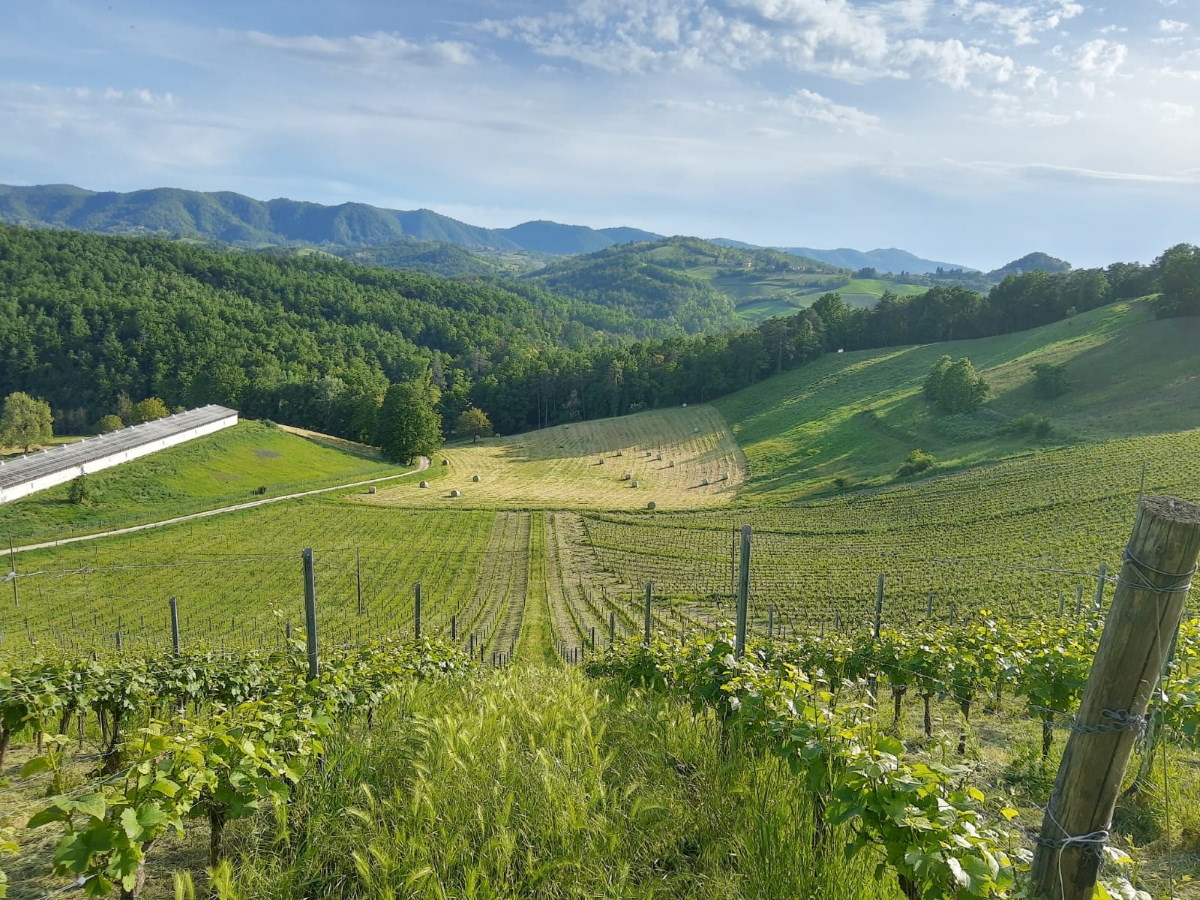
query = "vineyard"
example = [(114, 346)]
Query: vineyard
[(1024, 537), (927, 642)]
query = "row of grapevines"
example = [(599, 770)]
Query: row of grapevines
[(934, 832), (255, 728)]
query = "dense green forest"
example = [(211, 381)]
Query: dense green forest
[(315, 341)]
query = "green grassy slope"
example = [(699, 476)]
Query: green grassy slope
[(222, 468), (857, 415)]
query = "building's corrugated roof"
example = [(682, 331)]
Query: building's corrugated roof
[(45, 462)]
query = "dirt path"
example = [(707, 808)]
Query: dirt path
[(421, 467)]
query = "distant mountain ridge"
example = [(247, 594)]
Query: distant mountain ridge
[(890, 260), (241, 220)]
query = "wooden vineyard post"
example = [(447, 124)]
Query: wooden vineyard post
[(879, 588), (612, 628), (1159, 563), (1098, 601), (454, 629), (12, 568), (174, 604), (310, 613), (743, 595), (417, 610), (358, 579), (648, 611)]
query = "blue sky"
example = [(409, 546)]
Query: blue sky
[(972, 131)]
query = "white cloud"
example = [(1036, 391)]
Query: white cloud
[(1100, 58), (1172, 26), (807, 104), (1022, 22), (953, 63), (364, 50)]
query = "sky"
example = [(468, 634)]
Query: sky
[(969, 131)]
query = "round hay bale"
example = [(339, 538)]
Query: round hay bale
[(705, 482), (475, 478), (651, 505), (695, 431), (659, 458), (424, 484), (455, 493), (445, 462), (371, 489), (724, 476), (626, 476), (671, 464), (633, 484), (620, 453), (685, 405)]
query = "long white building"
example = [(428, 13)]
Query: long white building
[(58, 465)]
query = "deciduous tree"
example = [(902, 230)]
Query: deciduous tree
[(25, 421)]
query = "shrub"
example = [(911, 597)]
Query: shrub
[(1049, 381), (1031, 423), (79, 493), (918, 461)]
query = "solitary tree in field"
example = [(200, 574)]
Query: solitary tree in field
[(408, 424), (473, 423), (25, 421), (954, 386)]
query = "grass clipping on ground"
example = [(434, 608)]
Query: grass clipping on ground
[(663, 456)]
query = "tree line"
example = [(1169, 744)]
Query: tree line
[(317, 342)]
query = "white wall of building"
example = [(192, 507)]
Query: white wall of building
[(16, 492)]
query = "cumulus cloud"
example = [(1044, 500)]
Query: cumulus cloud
[(833, 38), (954, 63), (1100, 58), (1172, 26), (1021, 21)]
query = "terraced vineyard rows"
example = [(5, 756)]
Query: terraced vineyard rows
[(1022, 536)]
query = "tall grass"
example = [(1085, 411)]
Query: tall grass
[(535, 783)]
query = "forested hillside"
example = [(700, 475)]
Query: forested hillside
[(700, 283), (315, 341)]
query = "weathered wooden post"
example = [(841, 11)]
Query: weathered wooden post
[(1098, 601), (612, 628), (174, 604), (454, 629), (743, 595), (879, 587), (358, 579), (648, 611), (12, 568), (417, 610), (1159, 563), (929, 606), (310, 613)]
